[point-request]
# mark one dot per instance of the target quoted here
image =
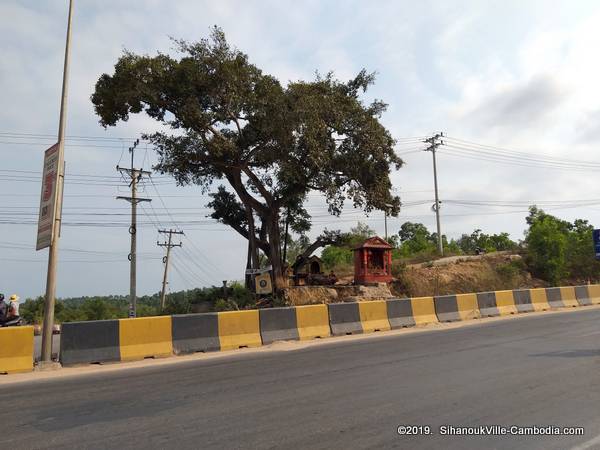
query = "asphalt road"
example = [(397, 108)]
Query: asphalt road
[(538, 370)]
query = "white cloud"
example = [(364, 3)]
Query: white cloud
[(513, 74)]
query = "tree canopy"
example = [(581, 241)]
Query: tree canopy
[(558, 249), (227, 121)]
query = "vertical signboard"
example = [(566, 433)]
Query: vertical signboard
[(48, 198), (596, 236)]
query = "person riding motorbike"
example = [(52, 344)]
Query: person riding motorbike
[(13, 309), (9, 310), (3, 308)]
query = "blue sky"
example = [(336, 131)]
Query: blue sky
[(516, 74)]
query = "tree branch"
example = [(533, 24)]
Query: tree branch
[(259, 185)]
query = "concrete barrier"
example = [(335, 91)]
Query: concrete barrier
[(554, 298), (90, 342), (446, 308), (145, 337), (522, 298), (312, 321), (594, 293), (400, 313), (561, 297), (486, 301), (278, 324), (539, 300), (582, 295), (373, 316), (567, 293), (423, 310), (467, 306), (16, 349), (505, 302), (238, 329), (344, 318), (195, 333), (452, 308)]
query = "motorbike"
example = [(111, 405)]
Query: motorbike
[(17, 321)]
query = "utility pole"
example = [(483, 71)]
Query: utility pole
[(434, 142), (385, 222), (53, 253), (388, 206), (135, 175), (169, 246)]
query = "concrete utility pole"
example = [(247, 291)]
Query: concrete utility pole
[(169, 246), (386, 211), (385, 224), (135, 175), (53, 253), (434, 142)]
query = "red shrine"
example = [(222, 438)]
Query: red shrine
[(373, 261)]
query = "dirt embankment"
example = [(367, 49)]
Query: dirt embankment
[(463, 275)]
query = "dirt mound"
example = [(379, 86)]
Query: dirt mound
[(463, 275), (308, 295)]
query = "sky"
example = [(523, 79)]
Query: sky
[(496, 77)]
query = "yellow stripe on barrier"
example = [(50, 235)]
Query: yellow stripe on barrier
[(373, 316), (594, 293), (239, 329), (505, 302), (145, 337), (539, 299), (567, 294), (467, 306), (312, 321), (16, 349), (423, 310)]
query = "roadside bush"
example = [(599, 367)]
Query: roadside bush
[(510, 271)]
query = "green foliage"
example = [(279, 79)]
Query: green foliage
[(333, 256), (117, 306), (488, 242), (510, 271), (579, 252), (546, 242), (341, 254), (415, 238), (272, 144), (32, 310), (558, 249)]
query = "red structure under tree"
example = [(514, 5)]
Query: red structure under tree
[(373, 261)]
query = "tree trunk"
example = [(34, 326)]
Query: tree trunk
[(252, 238), (248, 277), (279, 281), (252, 261)]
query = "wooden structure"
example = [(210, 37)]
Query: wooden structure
[(310, 272), (373, 261)]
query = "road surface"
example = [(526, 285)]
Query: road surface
[(536, 370)]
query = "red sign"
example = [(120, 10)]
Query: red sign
[(48, 198)]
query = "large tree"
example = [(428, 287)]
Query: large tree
[(227, 121)]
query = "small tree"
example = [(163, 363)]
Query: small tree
[(546, 242), (415, 238), (271, 144)]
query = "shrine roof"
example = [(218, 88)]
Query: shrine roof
[(374, 242)]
